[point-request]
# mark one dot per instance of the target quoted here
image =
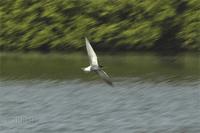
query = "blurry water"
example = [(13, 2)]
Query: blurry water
[(50, 94)]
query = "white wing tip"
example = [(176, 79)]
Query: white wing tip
[(86, 39)]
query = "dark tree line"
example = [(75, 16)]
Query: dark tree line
[(109, 24)]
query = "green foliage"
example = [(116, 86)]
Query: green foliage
[(130, 24), (190, 32)]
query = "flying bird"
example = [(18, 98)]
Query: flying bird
[(94, 66)]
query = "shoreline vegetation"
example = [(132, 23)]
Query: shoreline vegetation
[(110, 25)]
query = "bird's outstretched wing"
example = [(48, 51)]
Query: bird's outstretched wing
[(105, 77), (91, 53)]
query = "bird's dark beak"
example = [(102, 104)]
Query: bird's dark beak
[(100, 66)]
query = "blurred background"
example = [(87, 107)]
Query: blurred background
[(109, 24), (150, 48)]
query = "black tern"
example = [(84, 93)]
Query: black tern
[(94, 66)]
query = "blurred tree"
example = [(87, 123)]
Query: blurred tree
[(190, 25), (109, 24)]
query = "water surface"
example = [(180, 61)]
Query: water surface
[(48, 93)]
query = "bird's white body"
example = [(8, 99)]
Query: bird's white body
[(92, 57), (87, 69), (94, 66)]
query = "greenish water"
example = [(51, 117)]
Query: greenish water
[(67, 66), (48, 93)]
